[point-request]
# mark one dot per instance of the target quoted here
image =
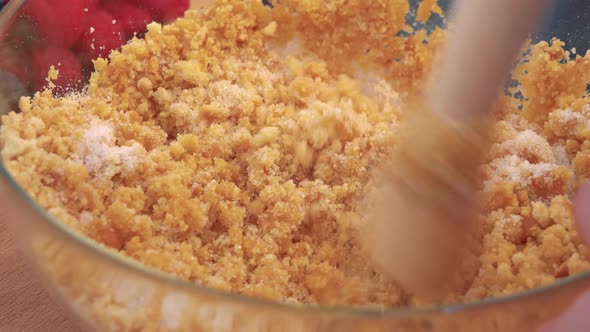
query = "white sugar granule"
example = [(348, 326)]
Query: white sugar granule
[(518, 171), (99, 149), (568, 115), (86, 218), (541, 170), (376, 87), (527, 144), (561, 156)]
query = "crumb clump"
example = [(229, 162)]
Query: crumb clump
[(205, 152)]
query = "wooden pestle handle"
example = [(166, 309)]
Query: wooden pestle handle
[(486, 38), (421, 210)]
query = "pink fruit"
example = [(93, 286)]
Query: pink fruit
[(101, 34), (68, 64), (133, 19), (165, 10)]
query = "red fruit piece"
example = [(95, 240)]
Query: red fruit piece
[(32, 7), (58, 22), (39, 12), (165, 10), (135, 3), (92, 4), (68, 64), (133, 19), (101, 35)]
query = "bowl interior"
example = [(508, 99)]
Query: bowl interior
[(568, 21)]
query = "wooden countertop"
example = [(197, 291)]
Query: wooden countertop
[(24, 304)]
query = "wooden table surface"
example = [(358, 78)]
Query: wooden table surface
[(24, 304)]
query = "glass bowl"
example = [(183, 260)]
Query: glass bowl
[(105, 292)]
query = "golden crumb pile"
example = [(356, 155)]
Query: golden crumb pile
[(231, 148)]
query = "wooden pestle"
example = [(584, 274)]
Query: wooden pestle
[(423, 206)]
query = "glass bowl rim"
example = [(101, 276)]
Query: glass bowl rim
[(177, 283), (152, 274)]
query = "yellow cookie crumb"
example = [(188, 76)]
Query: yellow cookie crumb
[(204, 151)]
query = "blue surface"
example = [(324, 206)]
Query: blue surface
[(568, 20)]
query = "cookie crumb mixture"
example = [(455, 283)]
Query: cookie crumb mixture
[(231, 147)]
